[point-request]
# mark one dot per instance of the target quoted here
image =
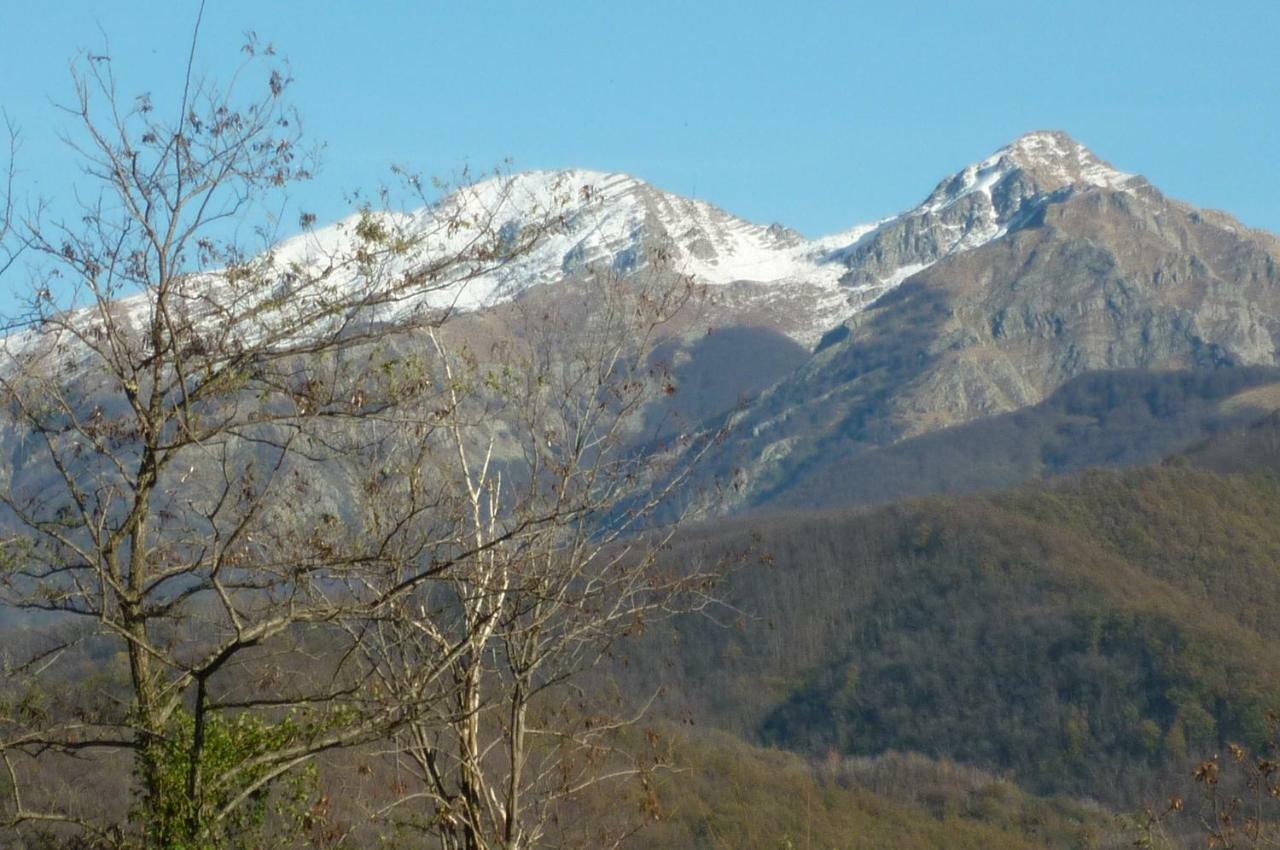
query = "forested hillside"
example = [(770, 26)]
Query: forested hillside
[(729, 794), (1090, 636)]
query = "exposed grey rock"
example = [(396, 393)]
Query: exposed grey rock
[(1084, 277)]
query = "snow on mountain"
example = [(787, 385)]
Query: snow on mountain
[(594, 217), (975, 206), (589, 220), (593, 220), (1057, 156), (1053, 158)]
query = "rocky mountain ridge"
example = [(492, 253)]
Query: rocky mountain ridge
[(779, 278), (1082, 276), (1015, 275)]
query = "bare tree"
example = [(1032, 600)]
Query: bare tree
[(1233, 804), (567, 521), (8, 251), (288, 506), (194, 426)]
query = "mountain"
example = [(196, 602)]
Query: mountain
[(1020, 272), (737, 796), (589, 221), (979, 204), (763, 275), (1067, 267), (1025, 270)]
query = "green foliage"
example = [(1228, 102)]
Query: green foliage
[(175, 818)]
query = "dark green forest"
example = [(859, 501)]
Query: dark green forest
[(1092, 636)]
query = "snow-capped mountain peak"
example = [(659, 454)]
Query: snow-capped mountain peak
[(977, 205), (1046, 160), (1056, 157), (580, 221), (591, 221)]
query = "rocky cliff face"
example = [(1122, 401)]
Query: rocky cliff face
[(1086, 269), (975, 206)]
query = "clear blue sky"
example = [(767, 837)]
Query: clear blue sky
[(819, 115)]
